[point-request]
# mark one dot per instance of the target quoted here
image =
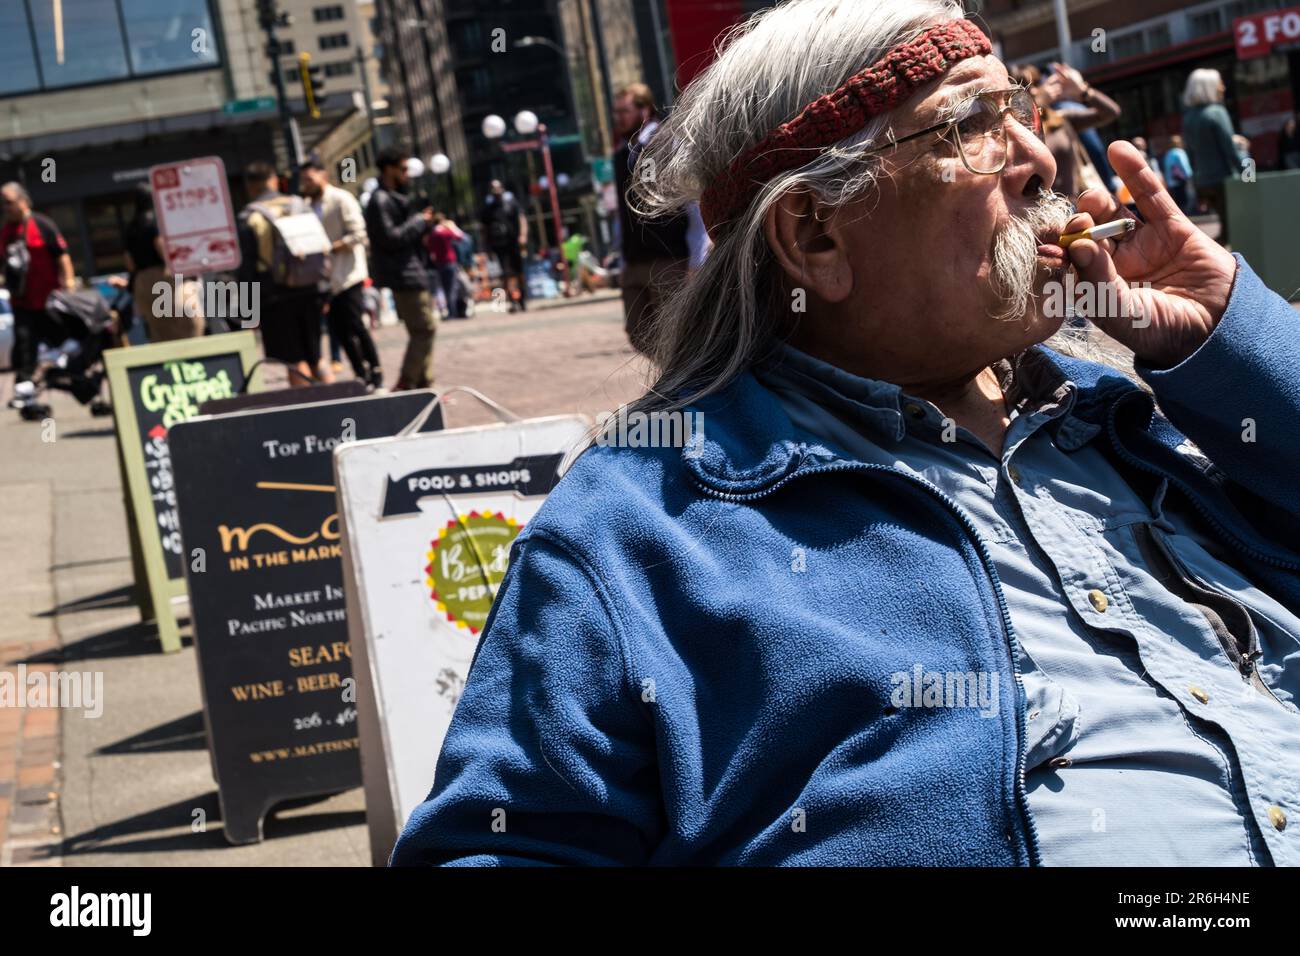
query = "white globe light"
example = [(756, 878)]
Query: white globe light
[(494, 127), (439, 163), (526, 122), (543, 182), (561, 179), (414, 168)]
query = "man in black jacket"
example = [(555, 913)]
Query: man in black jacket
[(657, 253), (399, 261)]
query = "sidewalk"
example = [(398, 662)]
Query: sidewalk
[(134, 785)]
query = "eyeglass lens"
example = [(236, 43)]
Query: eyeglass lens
[(982, 131)]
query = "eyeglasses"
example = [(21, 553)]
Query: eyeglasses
[(978, 128)]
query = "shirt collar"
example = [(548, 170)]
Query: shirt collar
[(1031, 382)]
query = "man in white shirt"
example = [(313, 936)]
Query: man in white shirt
[(340, 214)]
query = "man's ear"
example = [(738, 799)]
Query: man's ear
[(806, 242)]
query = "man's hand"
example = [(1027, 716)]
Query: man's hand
[(1190, 275)]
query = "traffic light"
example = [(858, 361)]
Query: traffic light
[(313, 84), (268, 16)]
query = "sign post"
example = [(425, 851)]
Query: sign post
[(427, 524), (191, 200), (154, 388)]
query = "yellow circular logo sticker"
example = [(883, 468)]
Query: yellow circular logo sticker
[(467, 561)]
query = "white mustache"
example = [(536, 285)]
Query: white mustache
[(1015, 251)]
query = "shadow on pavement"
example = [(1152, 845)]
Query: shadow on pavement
[(182, 814), (117, 597), (184, 733), (130, 640)]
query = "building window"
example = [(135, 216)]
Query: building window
[(19, 74), (332, 41), (326, 14), (1130, 44), (166, 35), (1203, 24), (100, 41), (342, 68), (286, 47)]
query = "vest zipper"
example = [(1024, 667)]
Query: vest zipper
[(1227, 533), (1013, 643), (1244, 659)]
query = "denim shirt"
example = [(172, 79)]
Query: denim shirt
[(1146, 737)]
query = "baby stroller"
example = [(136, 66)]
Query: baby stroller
[(70, 352)]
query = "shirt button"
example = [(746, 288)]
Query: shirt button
[(1060, 762), (1014, 472), (914, 410), (1099, 600), (1199, 694), (1277, 817)]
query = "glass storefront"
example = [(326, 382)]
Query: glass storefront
[(48, 46)]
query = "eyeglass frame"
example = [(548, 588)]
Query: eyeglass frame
[(950, 125)]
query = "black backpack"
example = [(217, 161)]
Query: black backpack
[(18, 258)]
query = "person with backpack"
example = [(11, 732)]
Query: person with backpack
[(505, 233), (36, 264), (399, 261), (340, 215), (285, 249)]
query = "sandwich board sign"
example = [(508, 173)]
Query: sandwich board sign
[(191, 201), (154, 388), (258, 515), (427, 522)]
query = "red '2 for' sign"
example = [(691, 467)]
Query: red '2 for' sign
[(192, 203), (1264, 33)]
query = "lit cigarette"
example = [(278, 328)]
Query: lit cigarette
[(1107, 230)]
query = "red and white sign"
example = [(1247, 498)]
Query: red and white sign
[(1263, 33), (192, 202)]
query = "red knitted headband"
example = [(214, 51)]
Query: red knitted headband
[(830, 118)]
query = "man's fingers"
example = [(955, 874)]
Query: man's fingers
[(1099, 204), (1149, 193)]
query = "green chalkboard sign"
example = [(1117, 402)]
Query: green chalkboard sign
[(155, 387)]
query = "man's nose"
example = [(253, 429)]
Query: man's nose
[(1030, 164)]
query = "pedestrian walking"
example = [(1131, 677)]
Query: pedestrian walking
[(345, 227), (399, 262), (441, 242), (505, 234), (1208, 132), (1178, 175), (286, 251), (36, 264)]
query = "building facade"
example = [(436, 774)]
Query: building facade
[(1141, 51), (91, 99)]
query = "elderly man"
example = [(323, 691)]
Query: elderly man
[(926, 591)]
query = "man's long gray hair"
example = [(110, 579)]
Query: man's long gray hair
[(727, 316)]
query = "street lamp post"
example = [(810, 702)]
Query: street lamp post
[(526, 124)]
